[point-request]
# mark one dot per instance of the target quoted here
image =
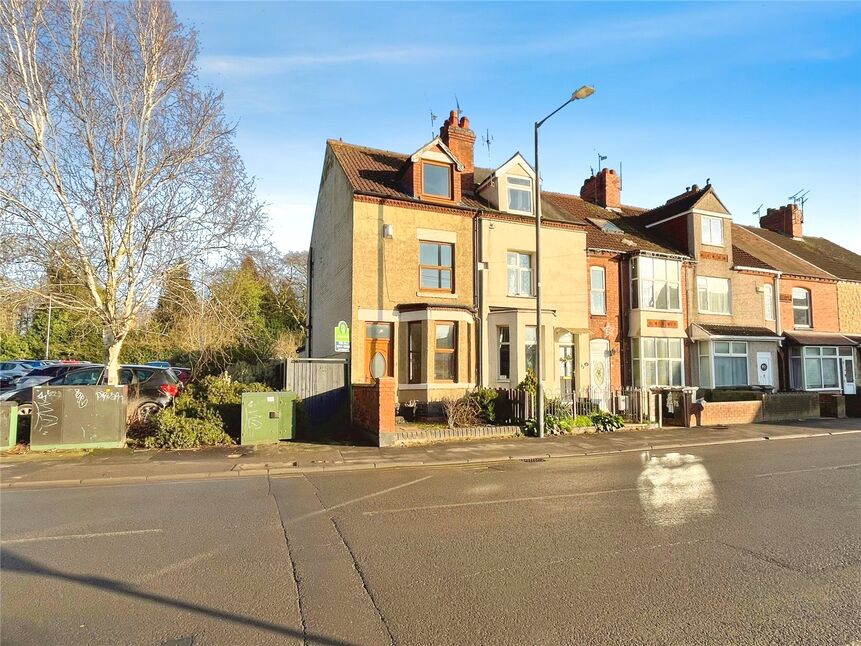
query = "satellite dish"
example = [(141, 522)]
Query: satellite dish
[(378, 365)]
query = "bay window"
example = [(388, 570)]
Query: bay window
[(655, 283), (821, 368), (730, 359), (657, 362), (414, 352), (713, 295), (445, 352), (504, 349), (531, 348)]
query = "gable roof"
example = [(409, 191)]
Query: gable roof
[(772, 256), (515, 158), (682, 204), (823, 255), (436, 143)]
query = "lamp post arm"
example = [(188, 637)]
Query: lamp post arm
[(538, 124)]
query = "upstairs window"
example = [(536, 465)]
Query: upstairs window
[(713, 295), (801, 307), (436, 180), (712, 230), (519, 274), (597, 291), (768, 302), (655, 283), (520, 194), (435, 266)]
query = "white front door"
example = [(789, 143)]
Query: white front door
[(599, 369), (848, 365), (763, 369)]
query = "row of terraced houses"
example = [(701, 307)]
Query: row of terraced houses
[(431, 261)]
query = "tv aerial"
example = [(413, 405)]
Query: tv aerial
[(487, 140), (757, 212)]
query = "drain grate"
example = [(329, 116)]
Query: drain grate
[(533, 460)]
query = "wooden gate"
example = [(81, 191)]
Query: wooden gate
[(321, 384)]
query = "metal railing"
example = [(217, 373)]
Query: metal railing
[(635, 405)]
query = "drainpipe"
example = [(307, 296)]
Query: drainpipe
[(783, 363), (477, 294)]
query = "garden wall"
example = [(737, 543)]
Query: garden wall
[(765, 407), (374, 408)]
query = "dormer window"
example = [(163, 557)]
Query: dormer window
[(520, 194), (436, 180), (712, 230)]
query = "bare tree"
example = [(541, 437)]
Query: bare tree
[(112, 162)]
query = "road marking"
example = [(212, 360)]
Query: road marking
[(831, 468), (360, 499), (66, 537), (476, 503), (179, 565)]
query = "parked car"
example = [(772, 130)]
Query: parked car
[(150, 389), (183, 374), (11, 372), (159, 364), (45, 374)]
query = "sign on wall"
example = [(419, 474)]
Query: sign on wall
[(342, 337)]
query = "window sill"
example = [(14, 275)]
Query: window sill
[(521, 295), (655, 309), (714, 313), (714, 246), (436, 294)]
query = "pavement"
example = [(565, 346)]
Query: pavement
[(132, 466), (750, 542)]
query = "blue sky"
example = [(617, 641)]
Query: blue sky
[(763, 98)]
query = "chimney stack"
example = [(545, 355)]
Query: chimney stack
[(603, 189), (786, 220), (461, 141)]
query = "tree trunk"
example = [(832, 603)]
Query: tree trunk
[(113, 346)]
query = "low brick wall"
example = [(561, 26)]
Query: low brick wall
[(853, 405), (402, 436), (766, 407), (374, 407), (785, 406), (726, 413)]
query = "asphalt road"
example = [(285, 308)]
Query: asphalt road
[(742, 544)]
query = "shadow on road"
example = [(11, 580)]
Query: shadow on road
[(11, 562)]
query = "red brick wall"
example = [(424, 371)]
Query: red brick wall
[(725, 413), (675, 232), (823, 297), (374, 406), (613, 285)]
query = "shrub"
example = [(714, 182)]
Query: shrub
[(222, 389), (485, 401), (582, 421), (461, 412), (172, 429), (605, 422), (529, 384)]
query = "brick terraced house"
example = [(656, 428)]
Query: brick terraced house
[(431, 262)]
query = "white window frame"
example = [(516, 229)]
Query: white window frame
[(638, 282), (817, 354), (768, 301), (732, 353), (706, 282), (600, 293), (525, 185), (639, 359), (519, 272), (709, 226), (808, 308)]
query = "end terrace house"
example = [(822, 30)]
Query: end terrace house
[(392, 255)]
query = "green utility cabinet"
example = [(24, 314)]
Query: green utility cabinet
[(8, 425), (268, 417)]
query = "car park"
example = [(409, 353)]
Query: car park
[(47, 373), (11, 372)]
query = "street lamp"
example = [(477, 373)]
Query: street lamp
[(581, 93)]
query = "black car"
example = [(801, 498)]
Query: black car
[(150, 389)]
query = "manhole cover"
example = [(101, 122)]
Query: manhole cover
[(533, 460)]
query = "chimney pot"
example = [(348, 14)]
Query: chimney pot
[(603, 189), (461, 141)]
